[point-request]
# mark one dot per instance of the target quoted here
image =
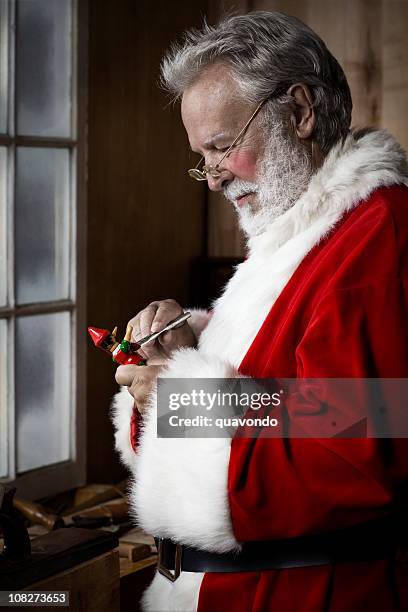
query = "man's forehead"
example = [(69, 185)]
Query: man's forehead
[(212, 104), (215, 82)]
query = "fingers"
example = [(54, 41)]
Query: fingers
[(142, 322), (141, 325), (147, 316), (132, 375), (140, 381), (160, 360), (125, 374), (167, 311), (151, 319), (154, 317)]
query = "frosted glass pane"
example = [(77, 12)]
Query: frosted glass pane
[(3, 400), (43, 67), (42, 390), (3, 65), (3, 226), (42, 225)]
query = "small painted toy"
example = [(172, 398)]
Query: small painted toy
[(123, 352)]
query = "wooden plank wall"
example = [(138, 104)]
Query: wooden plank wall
[(146, 217), (394, 19), (368, 37)]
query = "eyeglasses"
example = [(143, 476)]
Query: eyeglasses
[(200, 174)]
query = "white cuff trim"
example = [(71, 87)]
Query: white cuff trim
[(180, 489), (121, 414)]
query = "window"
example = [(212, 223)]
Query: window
[(41, 219)]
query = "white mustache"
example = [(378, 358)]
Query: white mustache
[(238, 188)]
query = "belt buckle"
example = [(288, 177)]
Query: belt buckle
[(177, 562)]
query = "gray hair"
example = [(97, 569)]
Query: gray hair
[(267, 52)]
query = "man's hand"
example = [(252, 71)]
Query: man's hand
[(140, 380), (152, 319)]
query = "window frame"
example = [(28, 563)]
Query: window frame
[(52, 479)]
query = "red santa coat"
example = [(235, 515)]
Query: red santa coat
[(323, 293)]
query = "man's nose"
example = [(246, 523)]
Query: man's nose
[(220, 182)]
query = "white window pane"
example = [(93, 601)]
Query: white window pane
[(42, 390), (42, 225), (43, 67), (3, 226), (3, 400), (3, 65)]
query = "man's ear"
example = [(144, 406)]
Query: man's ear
[(303, 117)]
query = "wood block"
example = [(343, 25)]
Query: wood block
[(138, 536), (93, 585), (89, 492), (132, 551)]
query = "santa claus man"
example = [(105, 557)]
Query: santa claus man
[(282, 524)]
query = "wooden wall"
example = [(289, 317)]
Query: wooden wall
[(369, 39), (146, 218)]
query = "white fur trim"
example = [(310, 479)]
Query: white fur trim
[(179, 596), (121, 413), (199, 320), (180, 488)]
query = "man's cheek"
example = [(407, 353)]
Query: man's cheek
[(244, 165)]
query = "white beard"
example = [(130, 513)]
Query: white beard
[(283, 175)]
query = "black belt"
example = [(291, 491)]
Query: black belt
[(364, 542)]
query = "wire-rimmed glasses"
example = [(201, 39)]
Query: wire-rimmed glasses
[(200, 174)]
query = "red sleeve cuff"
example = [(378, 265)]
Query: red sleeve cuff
[(134, 428)]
